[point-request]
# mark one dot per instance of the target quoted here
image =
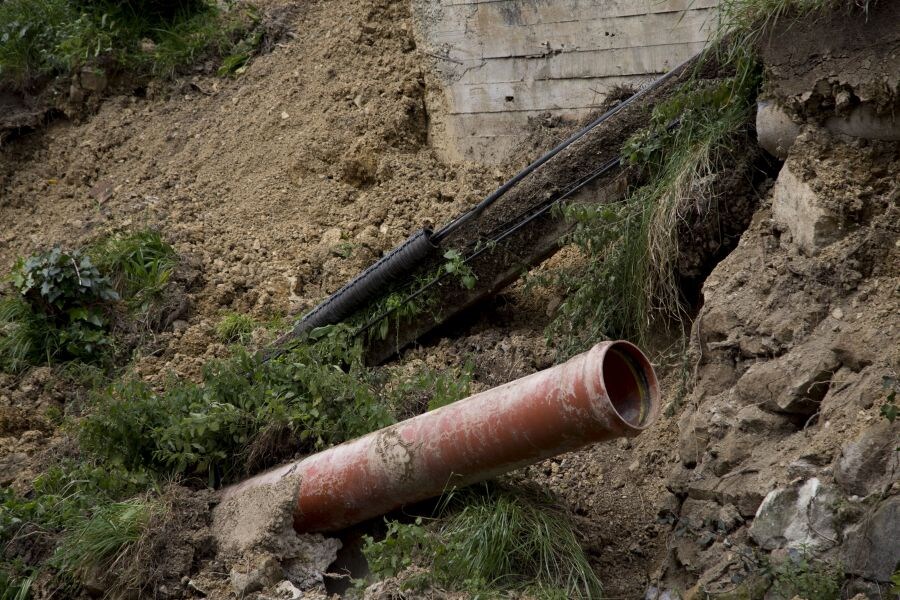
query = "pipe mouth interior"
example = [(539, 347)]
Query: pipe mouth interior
[(630, 384)]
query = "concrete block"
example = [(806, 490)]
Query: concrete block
[(798, 207)]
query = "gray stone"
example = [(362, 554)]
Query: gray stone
[(865, 122), (266, 572), (10, 466), (800, 516), (655, 593), (775, 131), (870, 463), (872, 548), (793, 384), (753, 419), (796, 206), (93, 80)]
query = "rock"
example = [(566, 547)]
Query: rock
[(793, 384), (870, 548), (288, 591), (796, 517), (753, 419), (179, 326), (796, 206), (266, 572), (311, 557), (698, 514), (864, 121), (870, 463), (10, 466), (655, 593), (92, 79), (775, 131), (740, 489)]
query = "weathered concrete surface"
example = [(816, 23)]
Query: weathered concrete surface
[(500, 62)]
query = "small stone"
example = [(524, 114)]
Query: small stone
[(284, 116), (837, 313), (93, 79), (266, 573), (179, 326)]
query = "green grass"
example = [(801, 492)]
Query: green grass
[(24, 337), (41, 39), (139, 265), (13, 587), (803, 576), (62, 305), (99, 542), (235, 328), (628, 282), (491, 540)]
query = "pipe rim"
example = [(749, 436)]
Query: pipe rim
[(636, 405)]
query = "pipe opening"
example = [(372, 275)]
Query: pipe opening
[(630, 384)]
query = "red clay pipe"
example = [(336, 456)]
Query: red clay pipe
[(608, 392)]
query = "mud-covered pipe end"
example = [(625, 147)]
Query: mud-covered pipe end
[(631, 385)]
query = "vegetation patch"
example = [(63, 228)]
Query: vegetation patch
[(42, 39), (235, 328), (629, 276), (65, 305), (245, 414), (489, 540), (806, 577)]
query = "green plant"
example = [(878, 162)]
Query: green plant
[(628, 278), (744, 21), (807, 577), (144, 37), (235, 328), (402, 545), (29, 33), (64, 494), (95, 544), (139, 265), (457, 266), (13, 587), (492, 539), (430, 389), (59, 310), (316, 394), (889, 408)]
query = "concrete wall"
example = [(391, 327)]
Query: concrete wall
[(499, 62)]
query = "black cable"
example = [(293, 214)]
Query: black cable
[(472, 213), (493, 242)]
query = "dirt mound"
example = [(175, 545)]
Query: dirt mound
[(278, 186), (798, 330)]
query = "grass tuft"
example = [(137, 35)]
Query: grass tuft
[(139, 265), (745, 21), (493, 539), (97, 544), (47, 38), (235, 328), (628, 280)]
